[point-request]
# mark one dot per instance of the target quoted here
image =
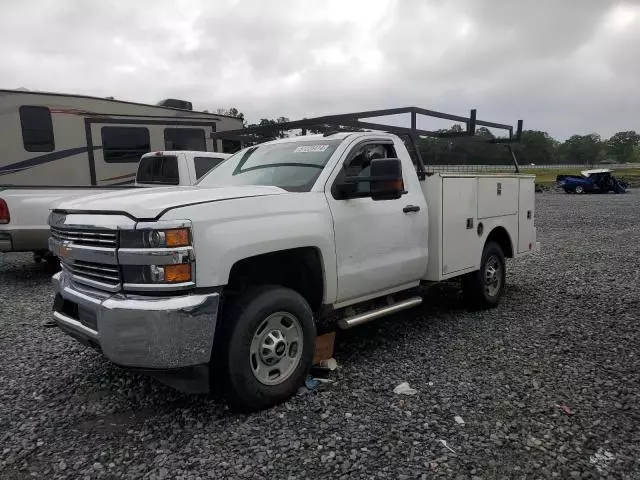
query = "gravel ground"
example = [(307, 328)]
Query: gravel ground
[(566, 334)]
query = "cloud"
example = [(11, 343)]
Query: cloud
[(564, 67)]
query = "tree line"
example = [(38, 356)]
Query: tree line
[(535, 146)]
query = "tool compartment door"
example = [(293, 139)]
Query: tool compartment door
[(497, 196), (459, 237), (526, 204)]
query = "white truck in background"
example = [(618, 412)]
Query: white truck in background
[(24, 209), (170, 168), (238, 274)]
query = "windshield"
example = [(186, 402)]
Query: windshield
[(292, 166)]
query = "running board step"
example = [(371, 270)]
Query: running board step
[(356, 320)]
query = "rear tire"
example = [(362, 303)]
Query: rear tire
[(267, 347), (483, 288)]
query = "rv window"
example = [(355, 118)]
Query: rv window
[(204, 164), (37, 129), (184, 139), (158, 170), (124, 144)]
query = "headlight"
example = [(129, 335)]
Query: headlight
[(153, 258), (175, 237), (157, 274)]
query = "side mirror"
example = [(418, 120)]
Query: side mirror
[(384, 181)]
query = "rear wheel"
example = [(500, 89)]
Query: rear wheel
[(484, 287), (268, 345)]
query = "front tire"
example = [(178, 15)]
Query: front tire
[(579, 189), (483, 288), (268, 345)]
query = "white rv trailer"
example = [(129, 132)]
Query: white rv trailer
[(52, 139)]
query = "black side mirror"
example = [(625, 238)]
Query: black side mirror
[(385, 181)]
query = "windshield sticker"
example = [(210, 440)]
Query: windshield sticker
[(310, 148)]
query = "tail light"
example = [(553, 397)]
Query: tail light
[(4, 212)]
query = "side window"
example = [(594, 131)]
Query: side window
[(124, 144), (37, 129), (360, 161), (185, 139), (204, 164)]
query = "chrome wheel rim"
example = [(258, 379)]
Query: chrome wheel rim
[(579, 189), (492, 275), (276, 348)]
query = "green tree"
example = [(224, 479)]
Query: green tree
[(484, 132), (232, 112), (623, 146), (537, 147), (272, 134), (583, 149)]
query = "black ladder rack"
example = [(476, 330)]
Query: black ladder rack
[(356, 121)]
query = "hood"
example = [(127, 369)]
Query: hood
[(148, 203)]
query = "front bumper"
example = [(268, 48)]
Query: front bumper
[(156, 333)]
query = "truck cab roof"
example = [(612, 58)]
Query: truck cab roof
[(330, 136), (194, 153)]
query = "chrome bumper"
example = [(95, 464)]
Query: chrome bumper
[(139, 332)]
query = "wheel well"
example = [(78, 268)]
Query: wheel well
[(500, 236), (299, 269)]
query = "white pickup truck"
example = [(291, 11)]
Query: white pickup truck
[(242, 270), (24, 209)]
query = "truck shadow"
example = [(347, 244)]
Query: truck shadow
[(441, 305)]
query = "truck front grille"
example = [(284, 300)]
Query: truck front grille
[(89, 238), (97, 275)]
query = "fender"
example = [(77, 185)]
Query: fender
[(230, 231)]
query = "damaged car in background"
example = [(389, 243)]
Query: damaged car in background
[(592, 181)]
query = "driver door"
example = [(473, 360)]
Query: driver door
[(379, 245)]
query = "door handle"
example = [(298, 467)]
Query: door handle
[(411, 208)]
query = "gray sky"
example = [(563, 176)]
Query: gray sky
[(565, 66)]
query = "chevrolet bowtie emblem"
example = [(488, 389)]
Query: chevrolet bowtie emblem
[(65, 250)]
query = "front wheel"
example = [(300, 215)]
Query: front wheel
[(579, 189), (484, 288), (268, 346)]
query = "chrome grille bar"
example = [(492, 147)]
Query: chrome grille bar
[(104, 277), (102, 238), (98, 271)]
